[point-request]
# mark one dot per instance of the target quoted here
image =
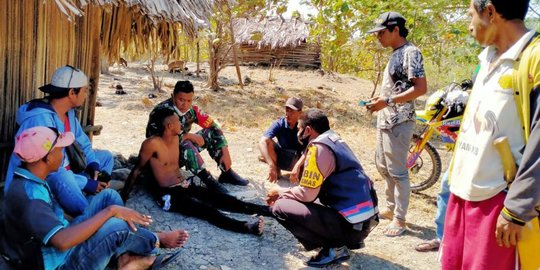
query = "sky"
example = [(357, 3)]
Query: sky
[(295, 5)]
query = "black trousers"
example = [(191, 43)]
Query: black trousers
[(316, 225), (199, 202)]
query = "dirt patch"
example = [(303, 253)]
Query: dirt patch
[(244, 116)]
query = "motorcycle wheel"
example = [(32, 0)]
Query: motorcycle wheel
[(427, 168)]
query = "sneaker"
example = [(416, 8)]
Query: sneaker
[(232, 177), (329, 256)]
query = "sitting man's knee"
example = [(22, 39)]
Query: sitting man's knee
[(279, 209), (111, 196)]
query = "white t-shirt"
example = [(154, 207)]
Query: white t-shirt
[(477, 172)]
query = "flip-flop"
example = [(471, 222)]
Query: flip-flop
[(163, 260), (399, 231), (432, 245)]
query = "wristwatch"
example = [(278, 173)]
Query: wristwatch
[(390, 102)]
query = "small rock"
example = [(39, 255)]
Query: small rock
[(120, 174), (119, 161), (132, 160), (224, 267), (247, 80), (120, 92), (279, 89), (250, 149)]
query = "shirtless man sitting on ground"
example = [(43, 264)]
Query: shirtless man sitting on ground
[(159, 154)]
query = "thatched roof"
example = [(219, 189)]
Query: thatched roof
[(274, 32), (192, 13), (138, 26)]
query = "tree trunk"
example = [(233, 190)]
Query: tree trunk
[(233, 44), (156, 82), (198, 59), (214, 47)]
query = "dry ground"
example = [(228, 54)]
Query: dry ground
[(244, 115)]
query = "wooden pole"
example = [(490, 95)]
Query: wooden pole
[(95, 57)]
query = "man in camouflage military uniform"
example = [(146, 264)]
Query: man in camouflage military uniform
[(210, 137)]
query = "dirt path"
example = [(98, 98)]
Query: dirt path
[(244, 116)]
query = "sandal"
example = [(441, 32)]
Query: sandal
[(431, 245), (393, 231), (163, 260)]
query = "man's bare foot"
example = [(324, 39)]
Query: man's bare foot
[(134, 262), (173, 239), (256, 227)]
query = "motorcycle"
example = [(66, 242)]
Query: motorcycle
[(442, 115)]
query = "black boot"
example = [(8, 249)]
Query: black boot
[(232, 177), (211, 183)]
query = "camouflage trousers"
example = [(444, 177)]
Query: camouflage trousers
[(190, 154)]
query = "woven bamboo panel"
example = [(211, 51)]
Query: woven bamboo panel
[(305, 55), (38, 36), (37, 40)]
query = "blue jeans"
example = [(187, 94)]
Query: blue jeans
[(442, 202), (106, 160), (67, 186), (111, 240)]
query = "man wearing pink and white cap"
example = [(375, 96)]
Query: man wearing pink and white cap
[(66, 92), (35, 234)]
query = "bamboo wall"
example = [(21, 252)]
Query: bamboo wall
[(35, 39), (305, 55)]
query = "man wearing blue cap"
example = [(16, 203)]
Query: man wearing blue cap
[(403, 81)]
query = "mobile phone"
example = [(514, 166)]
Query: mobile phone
[(363, 103)]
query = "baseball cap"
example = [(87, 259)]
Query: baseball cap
[(65, 78), (294, 103), (35, 143), (387, 19)]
